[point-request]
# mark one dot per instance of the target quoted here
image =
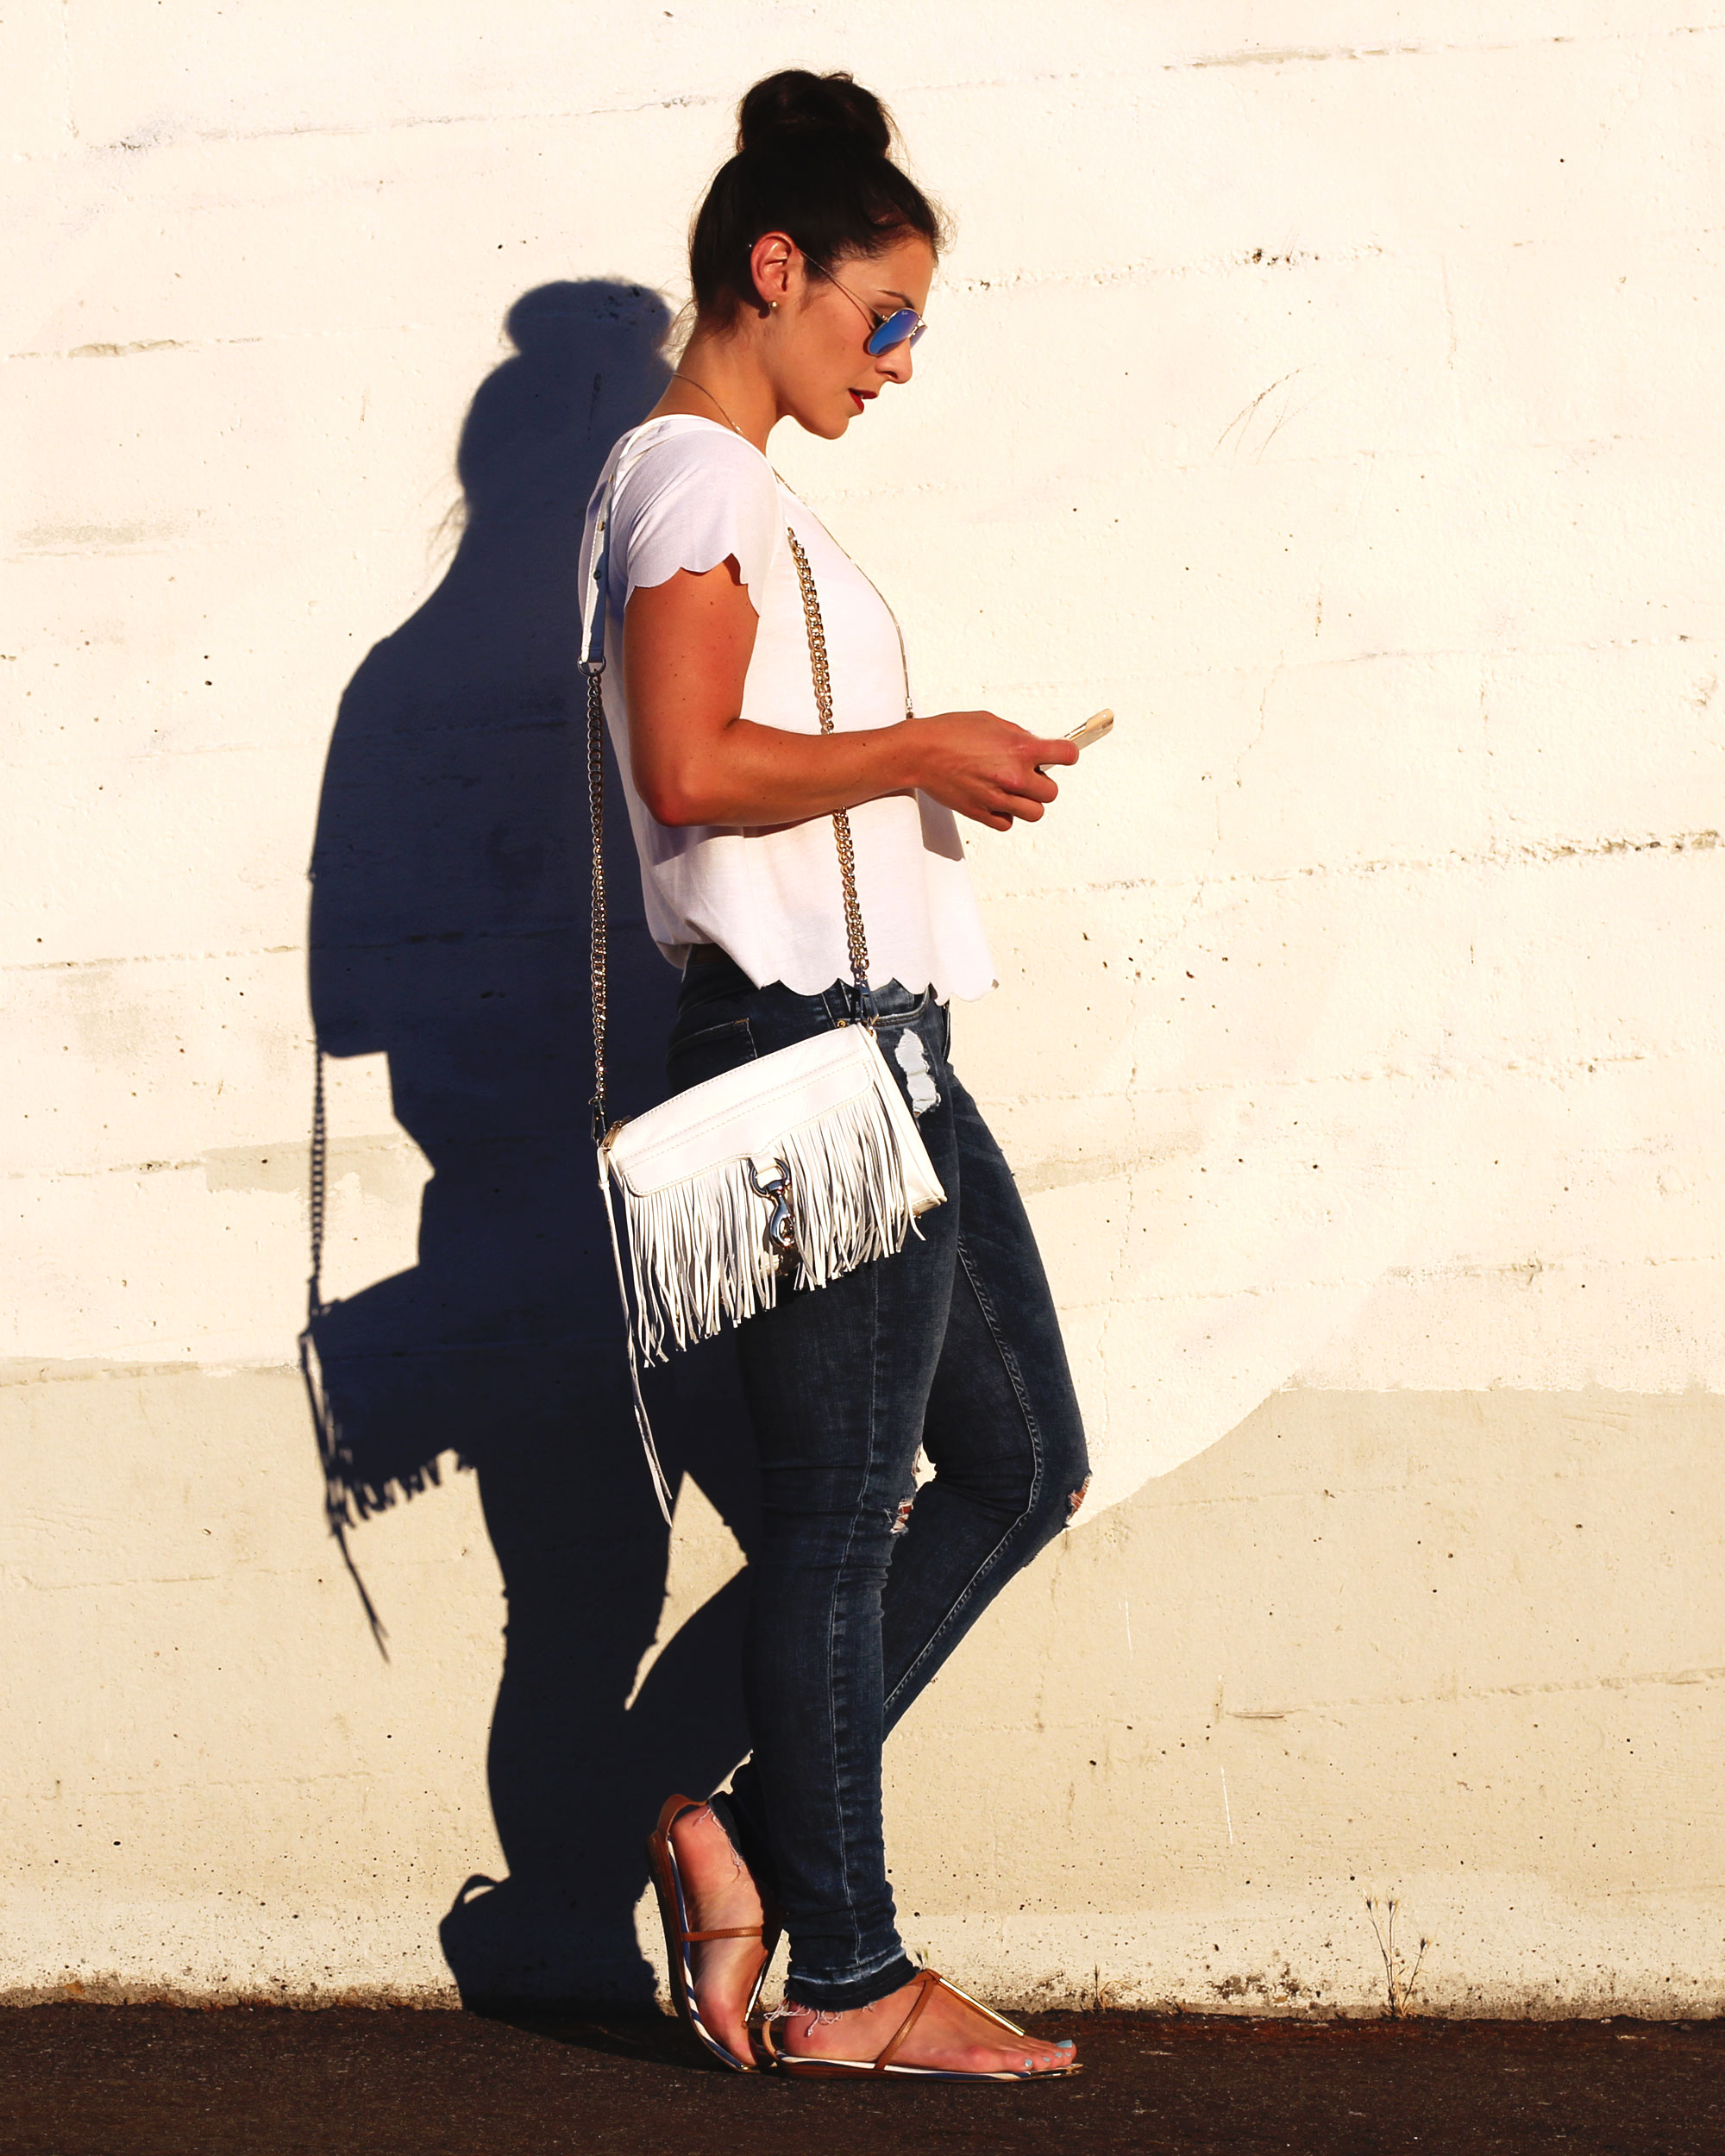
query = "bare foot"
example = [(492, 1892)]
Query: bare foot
[(950, 2032), (720, 1892)]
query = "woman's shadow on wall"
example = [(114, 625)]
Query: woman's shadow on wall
[(449, 927)]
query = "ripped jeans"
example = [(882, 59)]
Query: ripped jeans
[(864, 1585)]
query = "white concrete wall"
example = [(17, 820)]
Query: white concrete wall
[(1330, 389)]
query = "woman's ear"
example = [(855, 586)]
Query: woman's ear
[(770, 262)]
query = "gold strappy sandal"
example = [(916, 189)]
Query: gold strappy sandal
[(887, 2063), (673, 1914)]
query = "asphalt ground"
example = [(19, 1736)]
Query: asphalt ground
[(79, 2080)]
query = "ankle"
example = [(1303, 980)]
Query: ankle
[(789, 2011), (702, 1829)]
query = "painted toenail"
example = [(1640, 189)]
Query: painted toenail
[(1065, 2043)]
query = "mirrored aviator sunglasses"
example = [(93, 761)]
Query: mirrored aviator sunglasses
[(903, 326)]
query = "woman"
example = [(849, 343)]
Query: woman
[(812, 258)]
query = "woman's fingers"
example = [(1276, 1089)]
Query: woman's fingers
[(1025, 793), (1028, 795), (1012, 800), (986, 767)]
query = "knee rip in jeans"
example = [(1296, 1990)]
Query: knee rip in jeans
[(1076, 1499), (901, 1518)]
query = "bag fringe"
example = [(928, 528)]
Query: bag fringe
[(697, 1250)]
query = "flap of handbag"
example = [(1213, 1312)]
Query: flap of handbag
[(742, 1114)]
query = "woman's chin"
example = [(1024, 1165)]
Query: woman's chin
[(829, 425)]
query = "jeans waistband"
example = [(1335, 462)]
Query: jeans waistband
[(710, 973)]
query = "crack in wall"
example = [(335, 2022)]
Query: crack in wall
[(1525, 1689), (1523, 853)]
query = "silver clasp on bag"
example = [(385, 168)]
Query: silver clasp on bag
[(781, 1228)]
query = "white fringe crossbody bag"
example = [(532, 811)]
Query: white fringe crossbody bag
[(797, 1167)]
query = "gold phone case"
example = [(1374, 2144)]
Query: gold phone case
[(1094, 727)]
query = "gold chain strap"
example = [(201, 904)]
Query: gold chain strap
[(856, 941), (596, 948)]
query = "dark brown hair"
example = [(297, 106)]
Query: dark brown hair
[(813, 160)]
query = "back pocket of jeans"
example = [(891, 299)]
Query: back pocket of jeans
[(709, 1054)]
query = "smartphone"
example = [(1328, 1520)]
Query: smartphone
[(1094, 727)]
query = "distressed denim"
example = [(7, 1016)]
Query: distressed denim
[(863, 1583)]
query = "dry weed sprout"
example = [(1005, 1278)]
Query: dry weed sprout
[(1400, 1979)]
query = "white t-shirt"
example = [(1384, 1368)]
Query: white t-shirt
[(690, 495)]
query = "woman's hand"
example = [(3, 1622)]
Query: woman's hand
[(984, 766)]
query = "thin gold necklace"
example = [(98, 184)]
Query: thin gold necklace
[(712, 399)]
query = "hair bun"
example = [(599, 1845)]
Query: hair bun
[(795, 109)]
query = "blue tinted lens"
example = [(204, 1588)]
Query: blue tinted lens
[(905, 326)]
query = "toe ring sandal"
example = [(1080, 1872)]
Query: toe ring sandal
[(887, 2064), (673, 1914)]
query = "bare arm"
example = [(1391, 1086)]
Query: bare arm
[(686, 645)]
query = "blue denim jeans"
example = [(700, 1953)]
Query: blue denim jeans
[(863, 1585)]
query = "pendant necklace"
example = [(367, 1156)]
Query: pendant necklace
[(712, 400)]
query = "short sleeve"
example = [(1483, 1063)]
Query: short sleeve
[(690, 500)]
